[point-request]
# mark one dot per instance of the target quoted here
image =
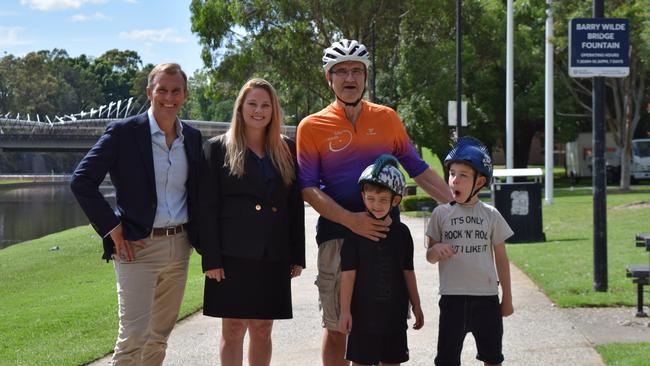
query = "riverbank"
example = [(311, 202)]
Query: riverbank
[(59, 300), (28, 183), (39, 162), (34, 206), (4, 178)]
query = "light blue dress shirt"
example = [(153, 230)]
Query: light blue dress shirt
[(171, 170)]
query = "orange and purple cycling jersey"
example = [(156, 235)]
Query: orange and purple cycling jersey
[(332, 153)]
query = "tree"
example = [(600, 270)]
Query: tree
[(427, 72), (34, 87), (625, 98), (52, 83), (283, 42), (139, 88), (116, 71), (7, 67), (201, 106), (78, 88)]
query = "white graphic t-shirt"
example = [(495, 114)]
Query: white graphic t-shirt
[(472, 230)]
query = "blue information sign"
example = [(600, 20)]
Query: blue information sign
[(599, 47)]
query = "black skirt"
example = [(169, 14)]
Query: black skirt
[(252, 289)]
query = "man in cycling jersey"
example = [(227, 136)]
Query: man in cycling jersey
[(334, 146)]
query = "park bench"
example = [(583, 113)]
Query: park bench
[(640, 273)]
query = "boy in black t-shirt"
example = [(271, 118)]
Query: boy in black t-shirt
[(377, 278)]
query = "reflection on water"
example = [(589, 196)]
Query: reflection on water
[(29, 212)]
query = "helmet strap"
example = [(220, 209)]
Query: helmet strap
[(474, 191), (356, 102), (353, 104), (392, 197), (379, 218)]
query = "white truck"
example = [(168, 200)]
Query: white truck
[(640, 168), (578, 158)]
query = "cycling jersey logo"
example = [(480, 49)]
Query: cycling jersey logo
[(340, 140)]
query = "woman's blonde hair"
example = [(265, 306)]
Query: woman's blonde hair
[(276, 148)]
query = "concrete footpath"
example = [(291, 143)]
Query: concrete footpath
[(538, 333)]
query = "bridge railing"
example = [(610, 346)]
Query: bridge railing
[(88, 128)]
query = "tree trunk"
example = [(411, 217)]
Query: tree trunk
[(523, 140), (628, 114)]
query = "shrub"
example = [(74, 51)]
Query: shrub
[(417, 203)]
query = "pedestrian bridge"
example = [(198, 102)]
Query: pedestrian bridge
[(79, 135)]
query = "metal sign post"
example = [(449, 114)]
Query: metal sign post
[(599, 178), (599, 48)]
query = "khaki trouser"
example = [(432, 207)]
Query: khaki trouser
[(328, 282), (149, 292)]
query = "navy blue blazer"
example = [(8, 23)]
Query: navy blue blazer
[(124, 151), (242, 217)]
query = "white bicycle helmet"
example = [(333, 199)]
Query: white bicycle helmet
[(345, 50)]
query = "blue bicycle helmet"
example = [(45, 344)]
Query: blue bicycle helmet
[(471, 151)]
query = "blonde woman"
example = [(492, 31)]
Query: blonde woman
[(252, 225)]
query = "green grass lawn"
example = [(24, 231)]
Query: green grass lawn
[(14, 181), (563, 265), (59, 307), (621, 354), (433, 162)]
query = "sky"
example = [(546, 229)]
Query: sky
[(158, 30)]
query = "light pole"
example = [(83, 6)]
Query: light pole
[(548, 107), (509, 91), (459, 79), (374, 67)]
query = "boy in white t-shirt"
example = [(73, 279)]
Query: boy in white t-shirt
[(466, 239)]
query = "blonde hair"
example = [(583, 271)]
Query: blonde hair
[(276, 147)]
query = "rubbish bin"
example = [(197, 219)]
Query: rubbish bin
[(520, 204)]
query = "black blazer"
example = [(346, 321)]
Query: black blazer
[(124, 151), (239, 217)]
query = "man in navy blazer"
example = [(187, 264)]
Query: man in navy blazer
[(153, 160)]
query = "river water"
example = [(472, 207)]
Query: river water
[(31, 211)]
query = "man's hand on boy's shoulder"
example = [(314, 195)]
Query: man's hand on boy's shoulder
[(362, 224)]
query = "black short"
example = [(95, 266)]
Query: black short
[(480, 315), (370, 349)]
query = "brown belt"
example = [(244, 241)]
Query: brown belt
[(166, 231)]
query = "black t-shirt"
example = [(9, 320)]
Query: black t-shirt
[(327, 230), (380, 299)]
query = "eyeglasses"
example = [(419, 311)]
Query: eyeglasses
[(356, 72)]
